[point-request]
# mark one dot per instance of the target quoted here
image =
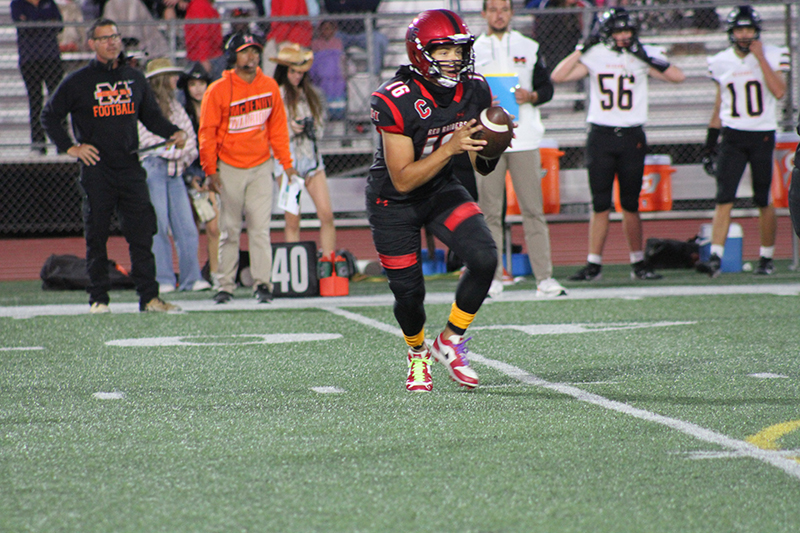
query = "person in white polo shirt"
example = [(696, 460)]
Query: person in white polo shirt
[(748, 88), (618, 66), (501, 50)]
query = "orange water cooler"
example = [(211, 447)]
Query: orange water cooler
[(337, 283), (551, 195), (656, 193), (785, 147)]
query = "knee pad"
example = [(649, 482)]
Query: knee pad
[(483, 263), (408, 287)]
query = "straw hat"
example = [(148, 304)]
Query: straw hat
[(161, 65), (294, 55)]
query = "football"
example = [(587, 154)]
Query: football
[(498, 130)]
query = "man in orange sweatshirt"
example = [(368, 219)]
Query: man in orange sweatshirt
[(242, 118)]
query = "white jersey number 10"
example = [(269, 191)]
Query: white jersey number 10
[(753, 98)]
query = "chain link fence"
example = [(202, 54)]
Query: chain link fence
[(353, 55)]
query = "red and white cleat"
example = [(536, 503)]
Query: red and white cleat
[(419, 373), (452, 353)]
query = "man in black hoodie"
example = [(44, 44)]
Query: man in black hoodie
[(106, 98)]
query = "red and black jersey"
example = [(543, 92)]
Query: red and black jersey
[(410, 105)]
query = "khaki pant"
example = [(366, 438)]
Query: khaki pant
[(525, 168), (245, 191)]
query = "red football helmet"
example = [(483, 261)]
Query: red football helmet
[(433, 28)]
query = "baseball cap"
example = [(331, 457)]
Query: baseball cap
[(240, 40)]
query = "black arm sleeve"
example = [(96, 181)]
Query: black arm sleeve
[(53, 115), (542, 83)]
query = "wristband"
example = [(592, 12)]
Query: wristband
[(711, 138)]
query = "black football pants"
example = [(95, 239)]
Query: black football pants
[(454, 218), (125, 191)]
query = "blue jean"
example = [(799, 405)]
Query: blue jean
[(173, 210)]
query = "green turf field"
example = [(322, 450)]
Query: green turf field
[(623, 407)]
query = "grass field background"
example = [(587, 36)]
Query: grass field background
[(621, 407)]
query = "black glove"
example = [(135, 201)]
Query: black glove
[(709, 154), (590, 41), (709, 161), (638, 50), (485, 166)]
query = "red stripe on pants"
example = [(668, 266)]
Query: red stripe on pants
[(460, 214), (396, 262)]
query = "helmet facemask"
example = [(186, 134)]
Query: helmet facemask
[(743, 17), (438, 70), (743, 45), (616, 20)]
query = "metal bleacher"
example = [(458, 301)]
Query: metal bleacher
[(678, 113)]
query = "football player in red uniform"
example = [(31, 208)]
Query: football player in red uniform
[(425, 116)]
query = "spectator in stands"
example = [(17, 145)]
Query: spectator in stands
[(92, 9), (260, 8), (241, 27), (327, 72), (558, 35), (167, 9), (304, 113), (749, 82), (502, 50), (137, 22), (618, 66), (242, 119), (164, 167), (204, 41), (353, 32), (39, 59), (194, 83), (299, 32), (71, 38), (105, 127)]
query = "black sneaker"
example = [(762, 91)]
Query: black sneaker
[(710, 267), (641, 271), (591, 272), (223, 297), (765, 267), (263, 294)]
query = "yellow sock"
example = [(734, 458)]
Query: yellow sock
[(459, 318), (415, 340)]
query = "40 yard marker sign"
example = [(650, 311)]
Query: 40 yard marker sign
[(294, 269)]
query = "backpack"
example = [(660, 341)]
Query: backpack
[(671, 253), (68, 273)]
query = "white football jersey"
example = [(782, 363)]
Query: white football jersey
[(618, 86), (746, 102), (513, 54)]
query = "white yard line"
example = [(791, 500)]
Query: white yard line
[(740, 447), (249, 304)]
